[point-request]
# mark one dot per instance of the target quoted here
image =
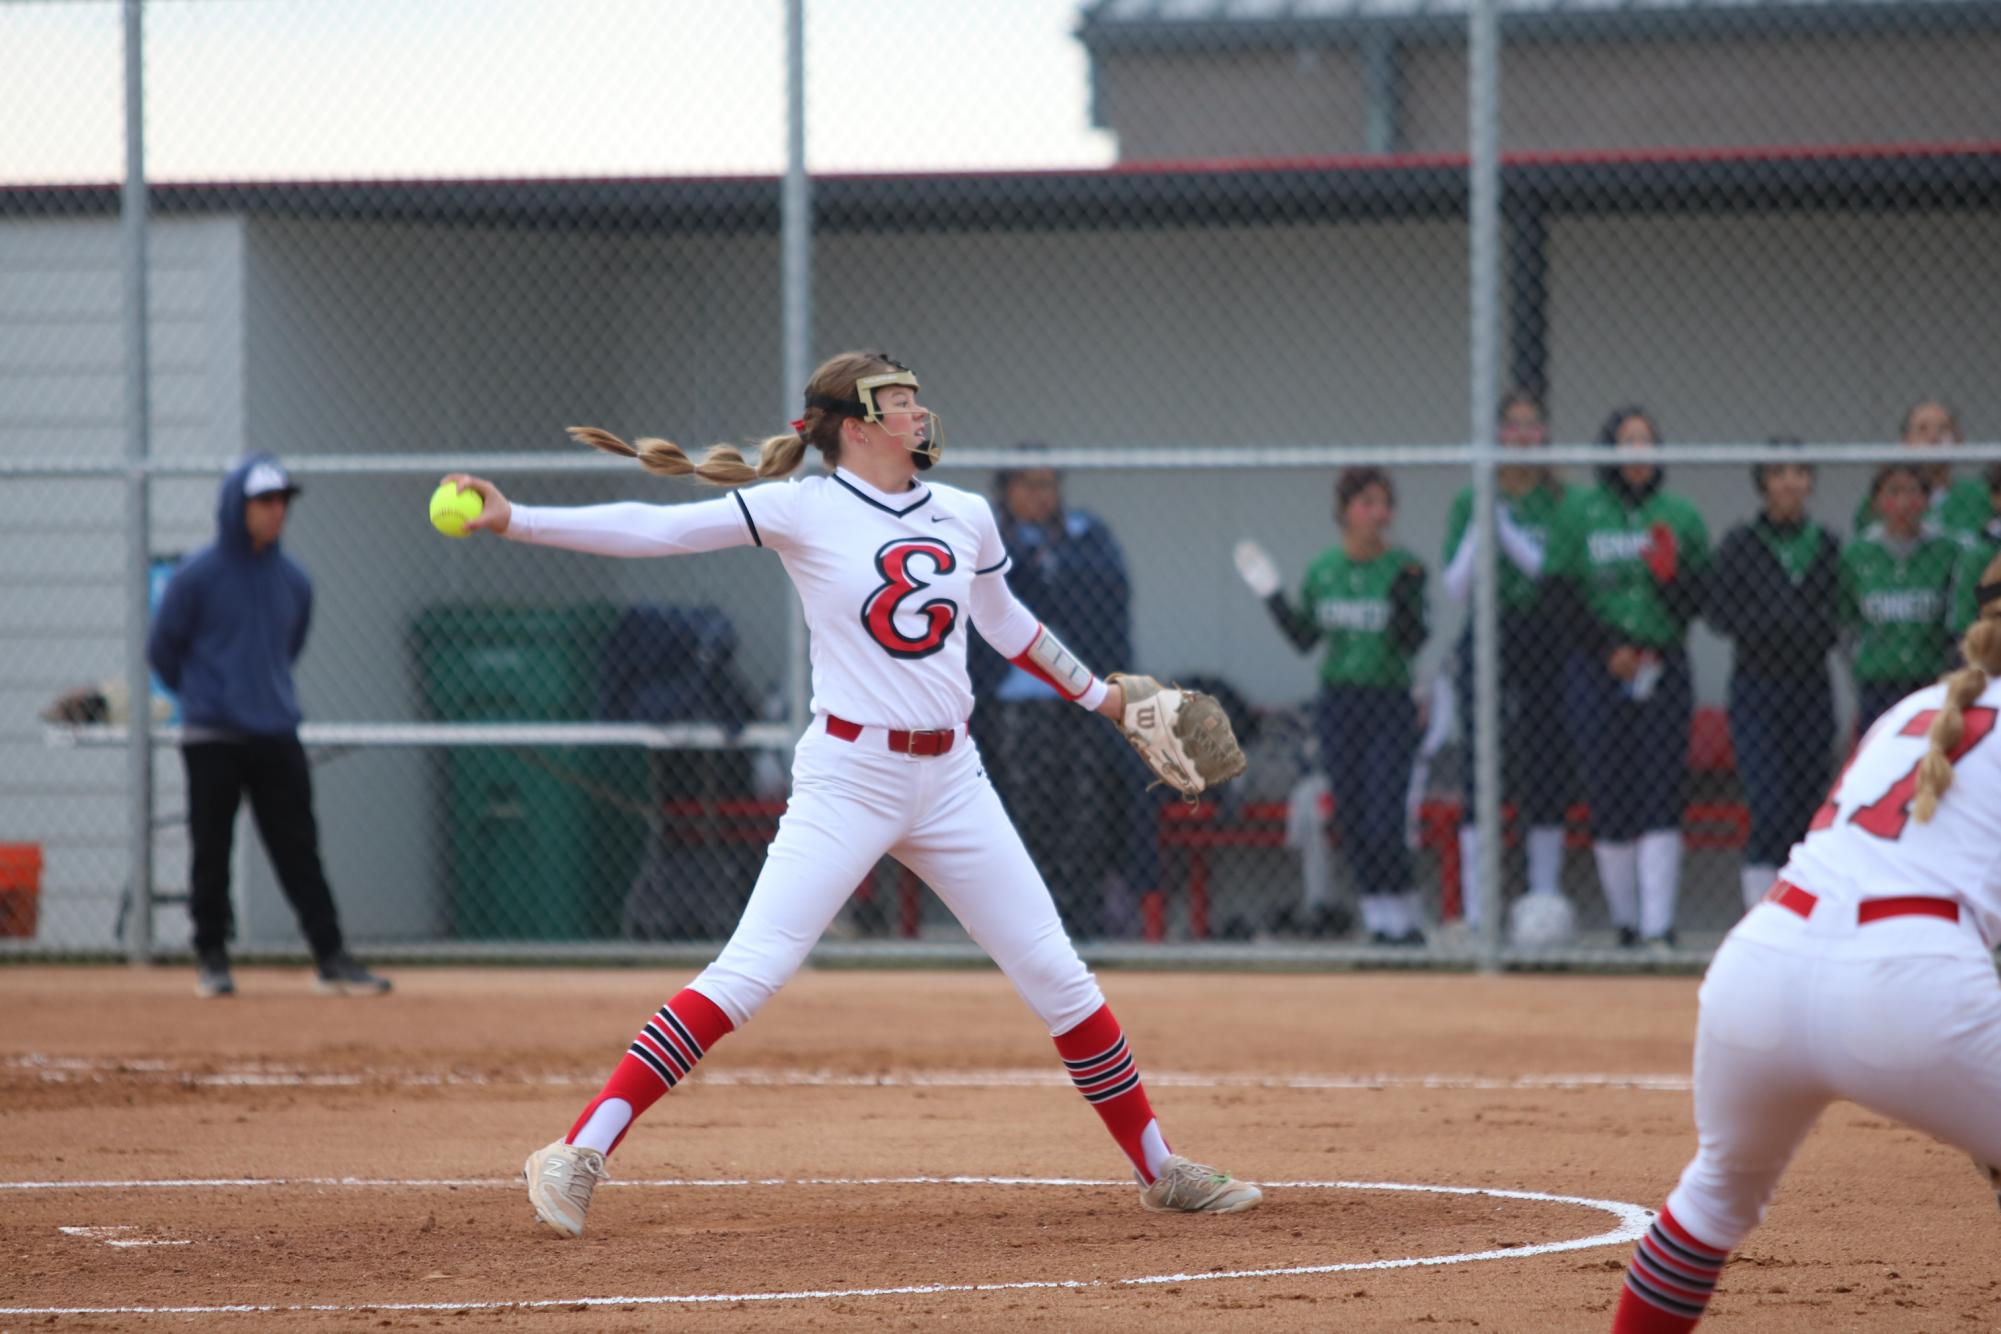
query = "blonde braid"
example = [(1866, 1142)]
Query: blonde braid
[(1981, 648), (723, 465)]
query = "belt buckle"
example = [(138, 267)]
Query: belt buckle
[(910, 743)]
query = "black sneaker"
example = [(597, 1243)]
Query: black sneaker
[(212, 977), (1628, 938), (340, 975)]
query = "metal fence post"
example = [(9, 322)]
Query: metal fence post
[(138, 452), (795, 225), (1483, 390)]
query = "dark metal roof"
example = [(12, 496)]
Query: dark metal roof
[(1255, 192)]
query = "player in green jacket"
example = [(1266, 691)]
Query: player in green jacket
[(1626, 572), (1959, 508), (1897, 578), (1365, 599), (1535, 753)]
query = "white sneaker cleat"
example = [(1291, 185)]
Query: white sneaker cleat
[(560, 1180), (1191, 1188)]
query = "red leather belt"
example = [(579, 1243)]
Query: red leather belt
[(934, 742), (1790, 896)]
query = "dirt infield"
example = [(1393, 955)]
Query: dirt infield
[(834, 1165)]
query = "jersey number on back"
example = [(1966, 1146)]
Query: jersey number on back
[(879, 610), (1886, 816)]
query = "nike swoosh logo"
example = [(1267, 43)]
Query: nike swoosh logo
[(939, 518)]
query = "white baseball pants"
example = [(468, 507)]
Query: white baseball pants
[(852, 802), (1902, 1016)]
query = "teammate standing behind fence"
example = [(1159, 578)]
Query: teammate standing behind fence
[(231, 623), (1866, 974), (1625, 574), (888, 569), (1957, 507), (1366, 599), (1775, 590), (1897, 578), (1534, 749)]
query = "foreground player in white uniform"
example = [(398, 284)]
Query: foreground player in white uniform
[(1866, 974), (890, 570)]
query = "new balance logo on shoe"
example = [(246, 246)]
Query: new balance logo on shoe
[(560, 1180)]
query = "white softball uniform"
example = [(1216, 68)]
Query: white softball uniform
[(888, 582), (1866, 974)]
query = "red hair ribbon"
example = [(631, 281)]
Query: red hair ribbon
[(799, 426)]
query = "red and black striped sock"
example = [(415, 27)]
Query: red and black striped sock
[(1669, 1283), (1095, 1054), (661, 1056)]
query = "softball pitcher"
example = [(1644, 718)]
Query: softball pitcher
[(1867, 973), (889, 569)]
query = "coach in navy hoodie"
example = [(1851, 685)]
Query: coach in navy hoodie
[(230, 625)]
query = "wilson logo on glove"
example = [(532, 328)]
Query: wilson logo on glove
[(1183, 735)]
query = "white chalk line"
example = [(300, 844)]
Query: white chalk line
[(59, 1070), (110, 1236), (1633, 1221)]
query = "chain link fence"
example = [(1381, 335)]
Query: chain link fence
[(1190, 285)]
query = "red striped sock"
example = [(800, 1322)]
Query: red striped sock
[(1094, 1052), (663, 1054), (1670, 1281)]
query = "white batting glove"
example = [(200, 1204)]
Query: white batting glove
[(1255, 564)]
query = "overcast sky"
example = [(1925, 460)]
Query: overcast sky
[(262, 89)]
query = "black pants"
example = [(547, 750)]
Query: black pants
[(273, 771), (1632, 754), (1536, 764), (1783, 733), (1368, 742)]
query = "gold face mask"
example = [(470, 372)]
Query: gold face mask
[(929, 434)]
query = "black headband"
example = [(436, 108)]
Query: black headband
[(846, 407), (1986, 593)]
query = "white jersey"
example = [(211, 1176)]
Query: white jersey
[(889, 582), (1864, 843)]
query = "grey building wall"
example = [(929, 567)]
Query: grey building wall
[(1621, 81), (1732, 90)]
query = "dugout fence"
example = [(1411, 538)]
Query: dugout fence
[(1263, 245)]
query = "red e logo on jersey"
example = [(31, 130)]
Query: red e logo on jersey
[(879, 609)]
